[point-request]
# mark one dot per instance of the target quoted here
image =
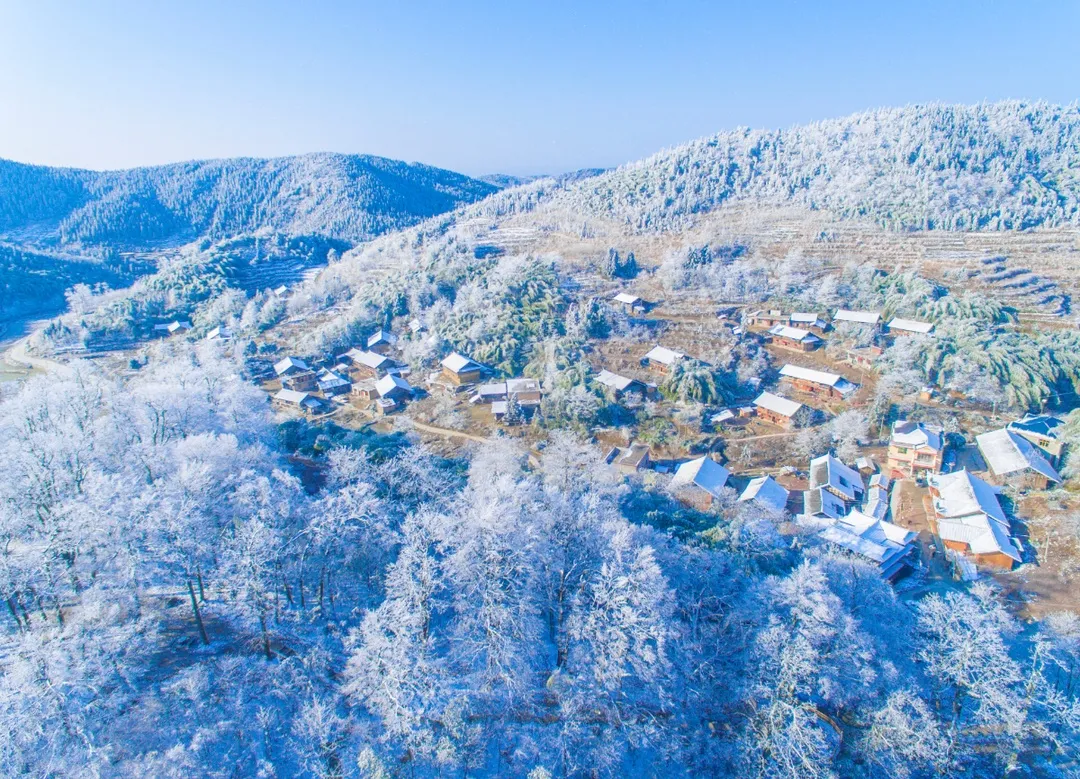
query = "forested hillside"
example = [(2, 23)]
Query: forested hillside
[(998, 166), (340, 196)]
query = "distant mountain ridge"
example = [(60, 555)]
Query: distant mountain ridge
[(350, 197), (1007, 165)]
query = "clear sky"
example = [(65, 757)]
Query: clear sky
[(482, 87)]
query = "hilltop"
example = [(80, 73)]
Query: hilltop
[(348, 197)]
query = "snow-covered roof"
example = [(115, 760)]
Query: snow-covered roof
[(1008, 452), (382, 336), (765, 490), (915, 435), (517, 386), (458, 362), (794, 333), (806, 317), (177, 325), (819, 502), (839, 383), (218, 333), (627, 298), (771, 402), (962, 494), (288, 364), (968, 512), (369, 359), (614, 380), (911, 325), (390, 382), (875, 539), (860, 317), (828, 471), (704, 472), (291, 396), (1039, 424), (664, 356)]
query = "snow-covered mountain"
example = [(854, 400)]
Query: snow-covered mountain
[(341, 196), (1000, 166)]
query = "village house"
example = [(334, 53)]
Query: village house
[(631, 459), (793, 338), (765, 491), (381, 342), (821, 383), (289, 366), (281, 291), (662, 360), (866, 318), (1044, 431), (297, 401), (909, 327), (863, 356), (915, 449), (968, 518), (699, 482), (766, 319), (302, 381), (780, 411), (394, 388), (834, 488), (631, 304), (460, 370), (527, 392), (176, 327), (331, 384), (618, 386), (889, 546), (1015, 461), (369, 365), (808, 320), (218, 334), (364, 391)]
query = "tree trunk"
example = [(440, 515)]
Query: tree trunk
[(198, 616), (265, 637), (14, 614), (202, 591)]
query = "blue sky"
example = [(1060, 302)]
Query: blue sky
[(480, 87)]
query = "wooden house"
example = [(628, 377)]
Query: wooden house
[(369, 365), (458, 370), (633, 459), (699, 482), (394, 388), (364, 391), (662, 360), (820, 383), (618, 386), (381, 342), (290, 365), (302, 381), (297, 401)]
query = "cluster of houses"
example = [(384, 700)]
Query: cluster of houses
[(369, 378), (804, 331)]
